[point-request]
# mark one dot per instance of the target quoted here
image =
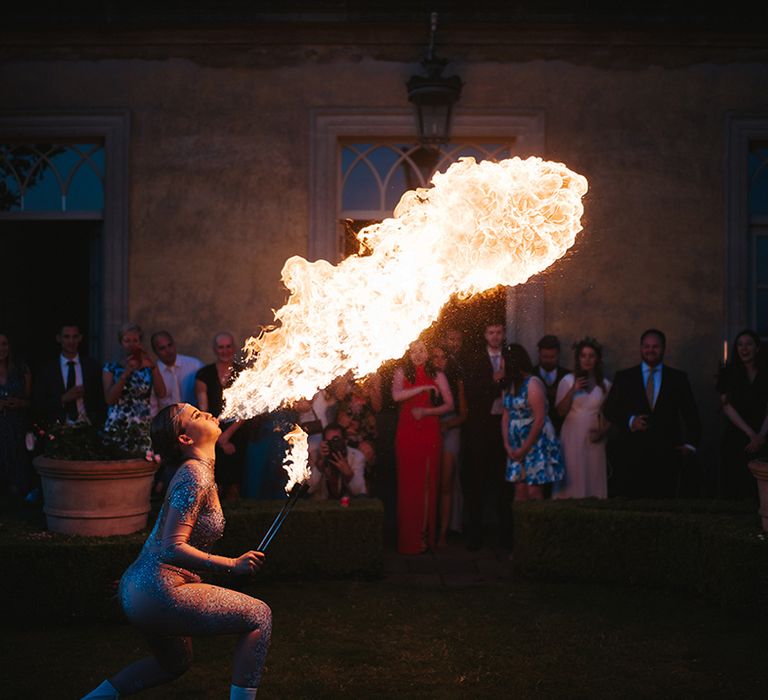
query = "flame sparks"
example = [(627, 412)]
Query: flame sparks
[(479, 226), (296, 458)]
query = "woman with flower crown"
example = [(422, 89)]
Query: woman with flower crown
[(161, 594), (580, 397)]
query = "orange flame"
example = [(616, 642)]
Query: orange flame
[(296, 458), (479, 226)]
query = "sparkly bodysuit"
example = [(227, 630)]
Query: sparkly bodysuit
[(163, 598)]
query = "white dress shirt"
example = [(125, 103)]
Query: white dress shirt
[(179, 380), (548, 376), (64, 363)]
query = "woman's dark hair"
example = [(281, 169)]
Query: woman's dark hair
[(590, 343), (14, 364), (519, 366), (409, 369), (165, 431)]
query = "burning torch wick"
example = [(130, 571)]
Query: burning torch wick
[(281, 516)]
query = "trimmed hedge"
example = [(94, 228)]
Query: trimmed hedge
[(714, 549), (48, 575)]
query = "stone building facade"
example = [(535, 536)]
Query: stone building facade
[(223, 131)]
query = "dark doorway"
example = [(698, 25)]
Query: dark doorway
[(50, 275)]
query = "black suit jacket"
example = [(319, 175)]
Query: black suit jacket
[(480, 389), (674, 420), (48, 388)]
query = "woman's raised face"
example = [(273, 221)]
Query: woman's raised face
[(199, 425)]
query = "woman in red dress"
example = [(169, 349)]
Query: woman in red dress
[(423, 396)]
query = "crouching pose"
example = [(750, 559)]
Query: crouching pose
[(159, 592)]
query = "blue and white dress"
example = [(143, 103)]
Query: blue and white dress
[(543, 463), (128, 420)]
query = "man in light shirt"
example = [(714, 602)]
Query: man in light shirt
[(178, 372)]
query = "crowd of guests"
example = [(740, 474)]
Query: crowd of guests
[(119, 398), (471, 422)]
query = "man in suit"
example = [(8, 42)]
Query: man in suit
[(69, 388), (550, 372), (483, 466), (653, 413)]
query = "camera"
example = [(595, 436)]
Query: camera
[(336, 446), (435, 397)]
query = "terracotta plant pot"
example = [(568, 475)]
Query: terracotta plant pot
[(760, 471), (96, 497)]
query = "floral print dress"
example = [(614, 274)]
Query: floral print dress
[(543, 463), (128, 420)]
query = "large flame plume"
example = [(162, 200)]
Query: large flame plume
[(479, 226)]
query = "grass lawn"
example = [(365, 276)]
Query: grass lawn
[(361, 639)]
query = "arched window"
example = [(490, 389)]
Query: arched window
[(375, 175), (52, 177)]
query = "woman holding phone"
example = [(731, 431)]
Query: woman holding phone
[(580, 397), (127, 389)]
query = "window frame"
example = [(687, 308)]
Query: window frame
[(740, 280)]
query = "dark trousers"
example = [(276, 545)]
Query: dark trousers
[(482, 472), (641, 468)]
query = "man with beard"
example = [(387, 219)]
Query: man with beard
[(654, 415)]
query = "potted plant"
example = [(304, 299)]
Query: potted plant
[(91, 485), (759, 469)]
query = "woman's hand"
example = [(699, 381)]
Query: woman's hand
[(756, 441), (146, 360), (418, 412), (579, 384), (131, 365), (596, 435), (248, 563), (516, 453)]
